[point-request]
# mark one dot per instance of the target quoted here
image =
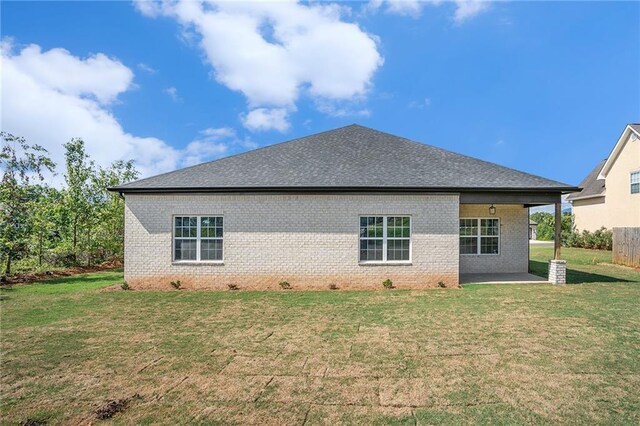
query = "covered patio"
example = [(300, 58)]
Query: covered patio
[(500, 221)]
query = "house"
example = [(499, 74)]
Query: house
[(351, 206), (610, 195), (533, 230)]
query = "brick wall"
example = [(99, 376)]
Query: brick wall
[(514, 240), (309, 240)]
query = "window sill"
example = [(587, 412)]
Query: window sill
[(390, 263), (197, 263)]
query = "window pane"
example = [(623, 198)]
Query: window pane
[(370, 250), (211, 250), (489, 227), (398, 250), (635, 188), (371, 227), (211, 227), (186, 227), (398, 227), (185, 249), (489, 245), (468, 245), (635, 182), (468, 227)]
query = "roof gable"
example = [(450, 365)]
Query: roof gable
[(629, 130), (592, 186), (354, 157)]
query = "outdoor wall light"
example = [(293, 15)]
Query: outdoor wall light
[(492, 210)]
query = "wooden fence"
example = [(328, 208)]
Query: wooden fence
[(626, 246)]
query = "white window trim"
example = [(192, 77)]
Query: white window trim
[(198, 239), (478, 236), (631, 173), (384, 240)]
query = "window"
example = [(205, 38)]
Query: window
[(197, 238), (480, 236), (635, 182), (385, 238)]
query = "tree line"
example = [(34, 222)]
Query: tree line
[(42, 226)]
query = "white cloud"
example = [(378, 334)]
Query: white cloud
[(272, 52), (266, 119), (342, 109), (421, 104), (200, 150), (97, 76), (173, 93), (146, 68), (214, 142), (467, 9), (50, 97), (464, 9), (149, 8), (217, 133), (405, 7)]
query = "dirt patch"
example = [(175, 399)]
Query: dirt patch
[(34, 422), (113, 407), (32, 277)]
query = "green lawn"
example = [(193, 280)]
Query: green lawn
[(583, 266), (488, 354)]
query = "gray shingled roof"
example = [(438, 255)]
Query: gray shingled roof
[(591, 185), (353, 157)]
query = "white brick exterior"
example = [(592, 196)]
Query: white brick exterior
[(557, 271), (309, 240), (514, 240)]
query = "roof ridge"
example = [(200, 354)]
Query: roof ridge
[(343, 156)]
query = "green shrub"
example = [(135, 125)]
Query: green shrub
[(285, 285), (602, 239), (233, 287), (125, 286), (441, 284), (176, 284), (387, 283)]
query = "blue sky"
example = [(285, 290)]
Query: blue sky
[(544, 87)]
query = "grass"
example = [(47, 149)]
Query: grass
[(583, 266), (490, 354)]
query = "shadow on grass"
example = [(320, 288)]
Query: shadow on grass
[(85, 278), (541, 269)]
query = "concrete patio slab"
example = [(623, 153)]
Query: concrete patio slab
[(518, 278)]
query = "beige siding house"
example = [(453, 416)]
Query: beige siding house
[(610, 195), (351, 206)]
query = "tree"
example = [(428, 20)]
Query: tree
[(48, 219), (79, 171), (20, 163), (547, 222), (109, 207)]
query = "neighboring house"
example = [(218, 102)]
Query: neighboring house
[(611, 192), (533, 230), (351, 206)]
